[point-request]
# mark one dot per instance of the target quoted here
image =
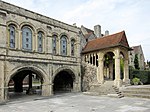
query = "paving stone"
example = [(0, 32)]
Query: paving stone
[(77, 102)]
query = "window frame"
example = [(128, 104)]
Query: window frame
[(40, 37), (12, 37), (54, 44), (27, 35), (63, 45)]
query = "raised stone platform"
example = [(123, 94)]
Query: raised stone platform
[(141, 91)]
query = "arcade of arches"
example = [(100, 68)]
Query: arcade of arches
[(40, 55), (111, 64), (32, 81)]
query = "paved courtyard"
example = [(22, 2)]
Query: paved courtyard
[(76, 102)]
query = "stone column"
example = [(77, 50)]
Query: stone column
[(95, 59), (34, 42), (2, 87), (46, 89), (88, 58), (19, 39), (126, 72), (85, 58), (58, 46), (68, 47), (44, 45), (100, 71), (117, 81)]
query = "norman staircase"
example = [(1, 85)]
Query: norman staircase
[(140, 91), (106, 89)]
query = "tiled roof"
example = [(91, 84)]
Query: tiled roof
[(117, 39)]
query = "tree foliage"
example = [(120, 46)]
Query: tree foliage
[(136, 62)]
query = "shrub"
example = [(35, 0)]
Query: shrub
[(143, 75), (135, 81)]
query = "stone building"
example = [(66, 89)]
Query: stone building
[(31, 43), (105, 55), (137, 50), (62, 57)]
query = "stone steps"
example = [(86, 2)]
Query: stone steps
[(137, 95), (106, 89), (137, 91)]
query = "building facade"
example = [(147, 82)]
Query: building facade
[(137, 50), (31, 43), (108, 55), (61, 56)]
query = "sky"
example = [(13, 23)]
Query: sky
[(132, 16)]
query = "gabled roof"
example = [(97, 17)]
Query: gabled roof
[(88, 35), (137, 49), (89, 30), (117, 39)]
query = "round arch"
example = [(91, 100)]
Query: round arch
[(63, 80), (13, 23), (64, 34), (54, 33), (109, 65), (67, 69), (19, 78), (41, 30), (28, 24), (124, 53), (35, 69)]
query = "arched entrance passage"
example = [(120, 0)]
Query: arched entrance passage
[(63, 81), (25, 81), (109, 66)]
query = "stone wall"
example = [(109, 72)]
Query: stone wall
[(45, 62), (89, 76)]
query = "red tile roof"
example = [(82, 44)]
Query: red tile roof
[(117, 39)]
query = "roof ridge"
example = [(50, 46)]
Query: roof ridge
[(115, 39), (107, 36)]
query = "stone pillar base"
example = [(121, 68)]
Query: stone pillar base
[(101, 81), (47, 90), (2, 99), (118, 83), (126, 81)]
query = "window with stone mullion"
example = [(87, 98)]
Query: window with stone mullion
[(12, 36), (63, 45), (40, 42), (26, 38), (54, 44)]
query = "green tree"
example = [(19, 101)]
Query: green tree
[(136, 62)]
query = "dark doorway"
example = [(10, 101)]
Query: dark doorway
[(24, 83), (63, 82)]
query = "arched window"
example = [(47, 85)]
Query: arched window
[(12, 36), (72, 47), (63, 45), (54, 43), (26, 38), (40, 41)]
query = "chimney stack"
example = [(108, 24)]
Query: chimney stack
[(97, 31), (106, 33)]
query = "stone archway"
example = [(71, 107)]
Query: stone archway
[(27, 80), (64, 81), (109, 66)]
